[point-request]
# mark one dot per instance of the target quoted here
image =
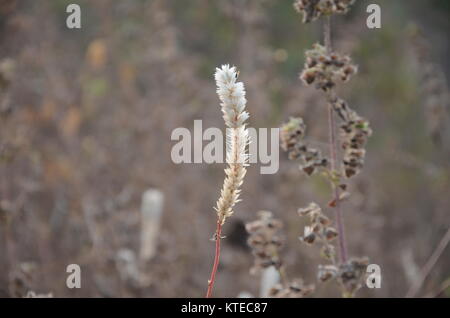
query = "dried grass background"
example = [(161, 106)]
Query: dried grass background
[(85, 129)]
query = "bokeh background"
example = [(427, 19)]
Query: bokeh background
[(86, 118)]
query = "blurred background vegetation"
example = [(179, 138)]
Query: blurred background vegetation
[(86, 118)]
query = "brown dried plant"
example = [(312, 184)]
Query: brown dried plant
[(266, 242), (324, 68)]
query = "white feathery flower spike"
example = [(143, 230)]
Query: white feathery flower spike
[(233, 101)]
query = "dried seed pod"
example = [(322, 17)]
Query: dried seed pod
[(330, 233), (354, 134), (265, 241), (311, 208), (325, 69), (352, 273), (294, 289), (291, 136), (323, 220), (327, 272), (328, 251), (309, 236), (340, 106), (319, 229), (292, 133), (311, 10)]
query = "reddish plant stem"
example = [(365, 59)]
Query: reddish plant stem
[(333, 154), (337, 209), (212, 279)]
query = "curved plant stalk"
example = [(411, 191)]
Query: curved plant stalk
[(233, 101), (412, 292)]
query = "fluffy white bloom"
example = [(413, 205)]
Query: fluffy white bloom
[(233, 101), (232, 96)]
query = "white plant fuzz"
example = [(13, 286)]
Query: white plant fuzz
[(233, 101)]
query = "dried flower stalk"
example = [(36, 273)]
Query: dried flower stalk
[(323, 69), (232, 96), (292, 141), (320, 229), (326, 68), (266, 242), (314, 9), (233, 101)]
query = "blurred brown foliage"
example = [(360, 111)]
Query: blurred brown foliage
[(86, 118)]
